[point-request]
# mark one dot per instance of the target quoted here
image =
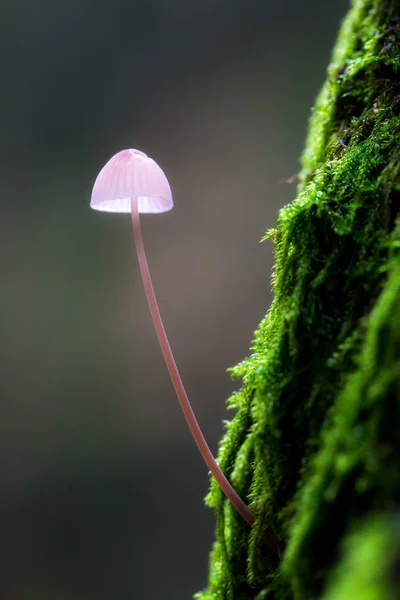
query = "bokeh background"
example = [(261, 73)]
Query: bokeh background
[(101, 486)]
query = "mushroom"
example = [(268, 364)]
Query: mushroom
[(132, 182)]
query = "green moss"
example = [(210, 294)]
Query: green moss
[(314, 444), (376, 545), (356, 469)]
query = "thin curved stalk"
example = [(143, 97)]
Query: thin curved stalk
[(194, 427)]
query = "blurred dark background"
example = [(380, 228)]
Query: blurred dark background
[(101, 486)]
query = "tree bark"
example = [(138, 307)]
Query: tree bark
[(315, 443)]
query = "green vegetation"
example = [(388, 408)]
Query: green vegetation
[(369, 570), (315, 443)]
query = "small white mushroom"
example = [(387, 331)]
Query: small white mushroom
[(132, 182)]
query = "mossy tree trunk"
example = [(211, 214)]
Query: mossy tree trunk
[(315, 443)]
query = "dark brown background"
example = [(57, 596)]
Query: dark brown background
[(101, 486)]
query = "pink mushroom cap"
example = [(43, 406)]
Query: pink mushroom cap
[(131, 174)]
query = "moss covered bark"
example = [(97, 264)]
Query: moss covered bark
[(315, 443)]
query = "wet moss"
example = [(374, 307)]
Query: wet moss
[(315, 442)]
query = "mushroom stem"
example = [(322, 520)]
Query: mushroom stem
[(194, 427)]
